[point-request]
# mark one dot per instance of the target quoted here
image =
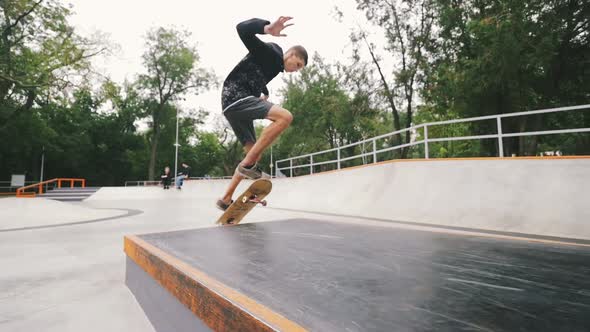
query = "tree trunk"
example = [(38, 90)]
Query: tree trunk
[(155, 140), (409, 98), (154, 153)]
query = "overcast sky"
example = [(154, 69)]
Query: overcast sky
[(212, 24)]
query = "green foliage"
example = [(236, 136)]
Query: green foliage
[(507, 56), (207, 156), (452, 59), (40, 55), (325, 113), (172, 71)]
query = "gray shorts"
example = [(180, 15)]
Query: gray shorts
[(241, 116)]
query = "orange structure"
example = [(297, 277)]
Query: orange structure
[(22, 191)]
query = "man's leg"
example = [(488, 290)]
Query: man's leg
[(281, 119), (236, 179)]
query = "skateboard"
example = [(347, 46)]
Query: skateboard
[(246, 202)]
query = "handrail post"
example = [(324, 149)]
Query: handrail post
[(338, 151), (291, 168), (500, 140), (311, 164), (374, 151), (426, 152), (59, 183), (40, 188), (71, 183)]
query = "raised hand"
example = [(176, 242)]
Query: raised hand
[(278, 26)]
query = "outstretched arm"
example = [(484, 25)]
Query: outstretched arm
[(248, 30)]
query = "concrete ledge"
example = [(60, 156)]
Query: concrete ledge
[(330, 276), (161, 308), (216, 305)]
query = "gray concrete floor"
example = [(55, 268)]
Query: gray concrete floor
[(71, 278)]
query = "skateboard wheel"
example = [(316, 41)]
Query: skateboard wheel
[(244, 199), (263, 203)]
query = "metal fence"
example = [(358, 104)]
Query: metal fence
[(157, 183), (420, 133)]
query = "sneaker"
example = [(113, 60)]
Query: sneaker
[(252, 173), (223, 205)]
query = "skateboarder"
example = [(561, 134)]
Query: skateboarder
[(244, 95), (183, 174)]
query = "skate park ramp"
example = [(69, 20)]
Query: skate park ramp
[(397, 246), (544, 197), (30, 213)]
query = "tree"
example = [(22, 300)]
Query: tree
[(208, 154), (172, 71), (39, 52), (328, 110), (408, 29), (497, 57), (232, 149)]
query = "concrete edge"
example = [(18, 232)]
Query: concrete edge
[(434, 160), (220, 307), (162, 309)]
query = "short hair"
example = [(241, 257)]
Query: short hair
[(300, 52)]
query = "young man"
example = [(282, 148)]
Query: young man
[(183, 174), (244, 96)]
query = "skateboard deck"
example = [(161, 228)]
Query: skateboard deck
[(246, 202)]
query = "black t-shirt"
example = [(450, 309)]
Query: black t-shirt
[(185, 171), (263, 62)]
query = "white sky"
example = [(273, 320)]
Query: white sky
[(212, 24)]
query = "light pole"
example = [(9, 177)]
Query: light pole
[(271, 164), (176, 153), (42, 163)]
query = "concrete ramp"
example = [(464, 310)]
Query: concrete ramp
[(192, 189), (547, 197), (21, 213)]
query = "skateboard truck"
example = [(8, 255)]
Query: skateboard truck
[(253, 199)]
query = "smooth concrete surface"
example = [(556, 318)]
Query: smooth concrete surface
[(543, 197), (32, 212), (330, 276), (72, 277)]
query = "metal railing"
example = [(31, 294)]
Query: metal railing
[(425, 140), (23, 191), (156, 183)]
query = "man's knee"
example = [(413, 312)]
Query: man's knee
[(279, 114), (288, 117)]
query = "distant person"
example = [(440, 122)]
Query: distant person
[(166, 178), (244, 96), (183, 174)]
